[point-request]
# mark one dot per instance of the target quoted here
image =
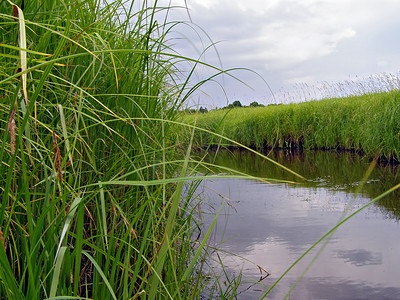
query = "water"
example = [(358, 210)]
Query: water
[(266, 227)]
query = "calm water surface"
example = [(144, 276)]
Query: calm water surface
[(271, 225)]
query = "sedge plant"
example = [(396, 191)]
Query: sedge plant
[(91, 170)]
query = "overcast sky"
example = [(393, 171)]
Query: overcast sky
[(289, 42)]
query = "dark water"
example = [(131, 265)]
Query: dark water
[(272, 225)]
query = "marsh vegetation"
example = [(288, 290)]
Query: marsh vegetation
[(368, 124), (98, 183), (91, 203)]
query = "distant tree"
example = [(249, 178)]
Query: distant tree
[(203, 110), (255, 104), (236, 103)]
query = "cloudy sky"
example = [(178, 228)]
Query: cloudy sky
[(288, 42)]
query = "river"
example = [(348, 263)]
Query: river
[(265, 227)]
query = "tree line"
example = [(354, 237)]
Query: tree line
[(234, 104)]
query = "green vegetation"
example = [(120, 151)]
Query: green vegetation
[(255, 104), (91, 197), (235, 103), (92, 170), (368, 123)]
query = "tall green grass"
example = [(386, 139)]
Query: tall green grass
[(369, 123), (91, 171)]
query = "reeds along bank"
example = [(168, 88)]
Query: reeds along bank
[(87, 153), (369, 124)]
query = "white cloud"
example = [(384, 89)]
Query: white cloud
[(279, 34), (312, 37), (302, 79), (287, 29), (382, 63)]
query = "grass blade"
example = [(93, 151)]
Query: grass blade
[(99, 270), (57, 271)]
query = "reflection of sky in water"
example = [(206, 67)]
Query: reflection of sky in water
[(272, 225), (360, 257)]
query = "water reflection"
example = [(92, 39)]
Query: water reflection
[(360, 257), (332, 170), (272, 225)]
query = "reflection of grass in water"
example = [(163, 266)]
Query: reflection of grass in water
[(343, 169), (332, 170), (327, 238)]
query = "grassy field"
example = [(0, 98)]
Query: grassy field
[(91, 173), (368, 123)]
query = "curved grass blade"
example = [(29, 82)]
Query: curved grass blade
[(103, 276), (57, 271), (70, 217)]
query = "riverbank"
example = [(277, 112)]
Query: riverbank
[(368, 124)]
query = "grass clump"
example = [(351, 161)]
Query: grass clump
[(369, 123), (91, 203)]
